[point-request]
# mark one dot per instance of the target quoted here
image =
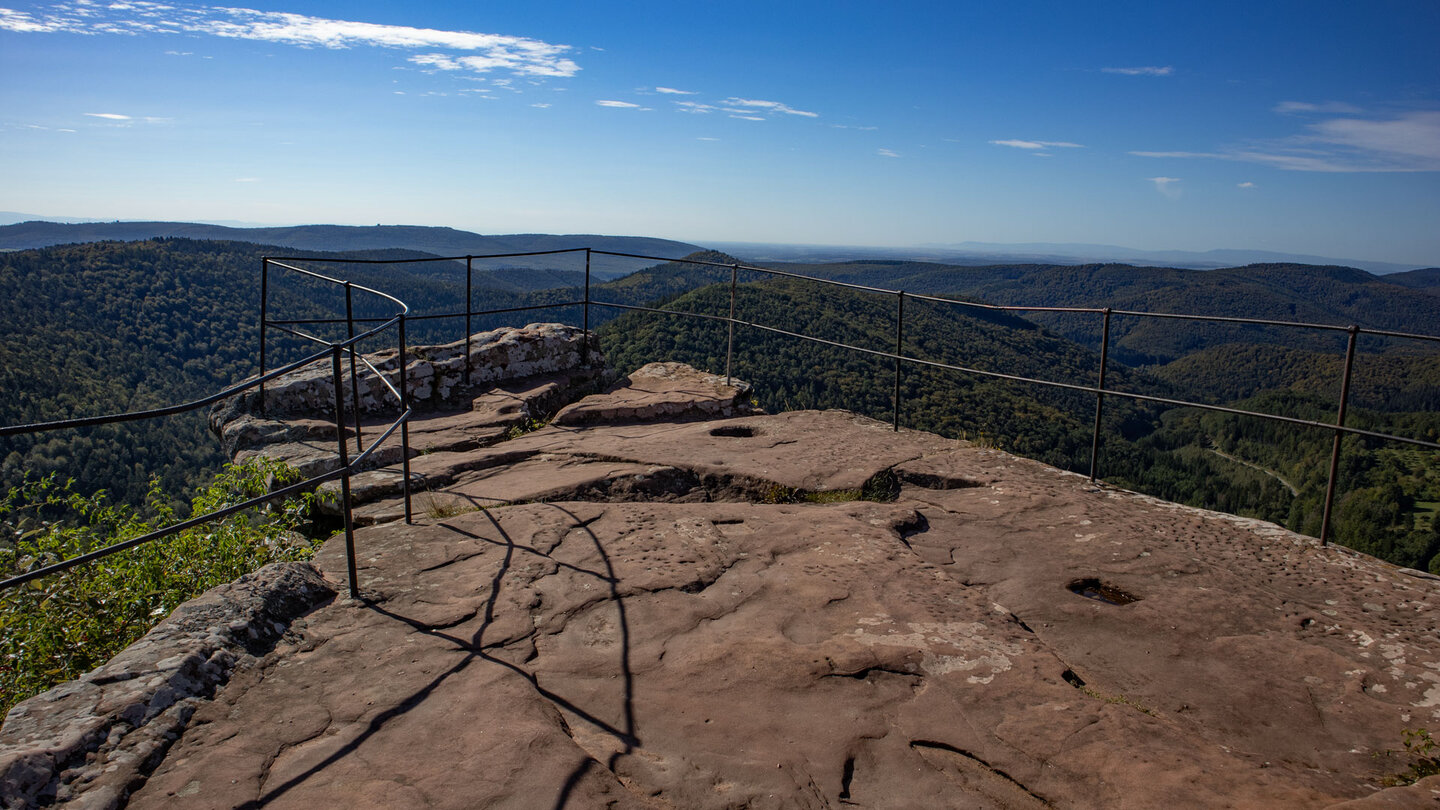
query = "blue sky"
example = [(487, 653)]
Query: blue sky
[(1307, 127)]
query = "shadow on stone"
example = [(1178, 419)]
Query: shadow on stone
[(1092, 588)]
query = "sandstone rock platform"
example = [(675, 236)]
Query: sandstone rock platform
[(811, 610)]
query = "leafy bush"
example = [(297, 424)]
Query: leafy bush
[(54, 628)]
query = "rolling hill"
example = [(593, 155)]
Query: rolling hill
[(336, 238)]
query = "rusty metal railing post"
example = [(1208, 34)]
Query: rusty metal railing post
[(264, 314), (339, 387), (585, 316), (405, 426), (899, 346), (469, 305), (1100, 395), (730, 338), (354, 378), (1339, 423)]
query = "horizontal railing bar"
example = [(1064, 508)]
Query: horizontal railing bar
[(979, 305), (378, 374), (1227, 319), (1089, 389), (404, 307), (404, 417), (1387, 333), (167, 531), (431, 258), (700, 315), (208, 517), (528, 307), (299, 334), (155, 413)]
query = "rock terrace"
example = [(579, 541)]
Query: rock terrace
[(655, 609)]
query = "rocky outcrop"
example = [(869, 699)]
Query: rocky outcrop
[(87, 743), (673, 392), (812, 610), (517, 376)]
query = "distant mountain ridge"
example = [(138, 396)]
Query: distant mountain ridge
[(984, 253), (433, 240)]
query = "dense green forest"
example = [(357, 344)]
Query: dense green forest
[(106, 327), (1243, 465)]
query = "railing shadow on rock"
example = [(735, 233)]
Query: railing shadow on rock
[(339, 350), (335, 351)]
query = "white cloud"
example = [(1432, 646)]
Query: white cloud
[(748, 117), (1335, 107), (1416, 136), (751, 105), (1246, 184), (519, 55), (1407, 143), (887, 153), (694, 107), (624, 105), (1018, 144), (1140, 71), (110, 116), (852, 126), (703, 138), (543, 105), (673, 92), (1166, 186)]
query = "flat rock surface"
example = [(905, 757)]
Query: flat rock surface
[(656, 635)]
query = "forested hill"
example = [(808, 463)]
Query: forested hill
[(1427, 279), (1327, 295), (107, 327), (331, 238)]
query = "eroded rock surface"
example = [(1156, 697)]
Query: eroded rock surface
[(90, 741), (811, 610)]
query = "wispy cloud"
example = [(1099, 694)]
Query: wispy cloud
[(1166, 186), (110, 116), (622, 105), (1406, 143), (487, 52), (670, 91), (1018, 144), (887, 153), (747, 117), (695, 107), (752, 106), (1246, 184), (852, 126), (1140, 71), (1331, 107), (704, 138)]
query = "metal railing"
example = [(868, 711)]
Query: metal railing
[(335, 351), (1099, 389), (339, 350)]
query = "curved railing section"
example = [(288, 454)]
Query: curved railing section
[(335, 351)]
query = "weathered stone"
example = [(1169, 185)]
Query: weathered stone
[(433, 374), (994, 633), (935, 651), (91, 740), (665, 392)]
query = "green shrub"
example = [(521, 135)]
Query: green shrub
[(57, 627)]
